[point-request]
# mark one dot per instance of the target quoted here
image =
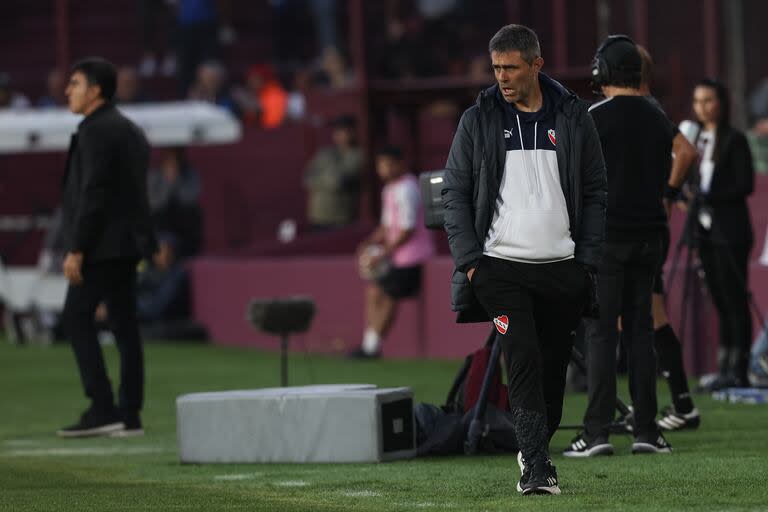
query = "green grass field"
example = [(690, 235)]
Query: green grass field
[(723, 466)]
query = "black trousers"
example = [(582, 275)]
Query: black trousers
[(725, 267), (624, 287), (542, 304), (114, 283)]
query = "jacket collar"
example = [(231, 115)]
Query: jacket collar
[(564, 97), (103, 109)]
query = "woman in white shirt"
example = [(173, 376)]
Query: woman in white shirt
[(725, 179)]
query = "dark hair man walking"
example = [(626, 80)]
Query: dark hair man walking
[(107, 221), (525, 198)]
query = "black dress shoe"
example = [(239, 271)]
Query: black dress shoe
[(132, 425), (362, 354), (93, 422)]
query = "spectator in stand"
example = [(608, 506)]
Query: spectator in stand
[(758, 108), (324, 19), (151, 14), (55, 96), (332, 70), (10, 99), (197, 38), (211, 86), (332, 179), (296, 107), (392, 257), (227, 32), (263, 101), (402, 55), (174, 201), (129, 90)]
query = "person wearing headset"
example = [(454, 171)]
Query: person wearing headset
[(636, 138), (725, 179)]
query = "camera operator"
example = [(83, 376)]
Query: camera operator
[(636, 138), (725, 178)]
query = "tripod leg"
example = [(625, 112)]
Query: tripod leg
[(476, 426), (284, 360)]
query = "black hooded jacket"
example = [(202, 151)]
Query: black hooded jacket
[(473, 177)]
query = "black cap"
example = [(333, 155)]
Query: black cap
[(624, 61)]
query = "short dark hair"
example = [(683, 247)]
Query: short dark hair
[(646, 69), (391, 151), (516, 38), (99, 72)]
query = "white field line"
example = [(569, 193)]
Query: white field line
[(425, 504), (84, 450), (361, 494), (291, 483), (21, 442), (237, 477)]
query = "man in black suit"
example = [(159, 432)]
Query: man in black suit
[(107, 231)]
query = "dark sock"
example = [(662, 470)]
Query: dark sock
[(531, 432), (670, 357)]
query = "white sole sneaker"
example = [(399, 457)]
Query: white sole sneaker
[(579, 449), (102, 430), (521, 465), (136, 432), (553, 490), (595, 451), (678, 421), (640, 448)]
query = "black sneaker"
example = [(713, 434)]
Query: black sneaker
[(93, 422), (543, 480), (359, 353), (525, 472), (581, 447), (131, 426), (673, 420), (659, 445)]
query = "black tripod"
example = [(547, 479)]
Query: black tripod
[(691, 237), (478, 427)]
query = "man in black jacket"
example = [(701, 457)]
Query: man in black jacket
[(524, 198), (107, 231)]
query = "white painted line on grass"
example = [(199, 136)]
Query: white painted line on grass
[(21, 442), (361, 494), (291, 483), (425, 504), (237, 476), (84, 450)]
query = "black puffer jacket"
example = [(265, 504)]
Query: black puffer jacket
[(473, 177)]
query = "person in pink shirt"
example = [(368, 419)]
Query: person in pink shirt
[(392, 256)]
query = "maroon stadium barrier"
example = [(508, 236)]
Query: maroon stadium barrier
[(425, 326)]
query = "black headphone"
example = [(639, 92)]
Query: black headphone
[(601, 71)]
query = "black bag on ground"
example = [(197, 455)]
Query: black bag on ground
[(443, 430)]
